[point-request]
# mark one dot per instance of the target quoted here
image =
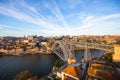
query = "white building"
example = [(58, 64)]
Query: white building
[(25, 41), (44, 43)]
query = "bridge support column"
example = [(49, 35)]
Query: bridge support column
[(87, 54)]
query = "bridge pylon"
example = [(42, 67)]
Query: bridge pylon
[(87, 54)]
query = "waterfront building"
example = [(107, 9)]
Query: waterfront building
[(101, 71), (25, 41), (44, 43), (72, 72), (116, 55), (30, 37)]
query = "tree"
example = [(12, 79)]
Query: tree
[(118, 42), (58, 63), (108, 57)]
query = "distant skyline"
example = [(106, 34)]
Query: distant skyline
[(59, 17)]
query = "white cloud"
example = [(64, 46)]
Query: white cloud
[(94, 22), (51, 24), (103, 18), (81, 16), (54, 8), (1, 27), (72, 4), (15, 12), (14, 28), (28, 7), (87, 19)]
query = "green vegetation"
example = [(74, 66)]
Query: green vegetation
[(118, 42), (58, 63), (54, 76), (108, 57)]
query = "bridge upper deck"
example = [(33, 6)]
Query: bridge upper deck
[(106, 47)]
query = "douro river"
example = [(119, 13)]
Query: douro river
[(38, 65)]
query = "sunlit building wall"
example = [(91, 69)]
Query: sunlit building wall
[(116, 55)]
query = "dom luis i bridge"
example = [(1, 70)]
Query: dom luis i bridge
[(65, 49)]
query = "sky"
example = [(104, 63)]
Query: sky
[(59, 17)]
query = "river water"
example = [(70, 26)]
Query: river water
[(39, 65)]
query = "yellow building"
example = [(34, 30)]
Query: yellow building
[(116, 55), (102, 72), (72, 60)]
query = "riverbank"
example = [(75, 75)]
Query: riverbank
[(21, 54), (24, 52)]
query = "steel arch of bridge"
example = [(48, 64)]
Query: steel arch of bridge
[(67, 52)]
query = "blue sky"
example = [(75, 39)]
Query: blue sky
[(59, 17)]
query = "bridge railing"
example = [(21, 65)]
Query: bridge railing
[(105, 47)]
